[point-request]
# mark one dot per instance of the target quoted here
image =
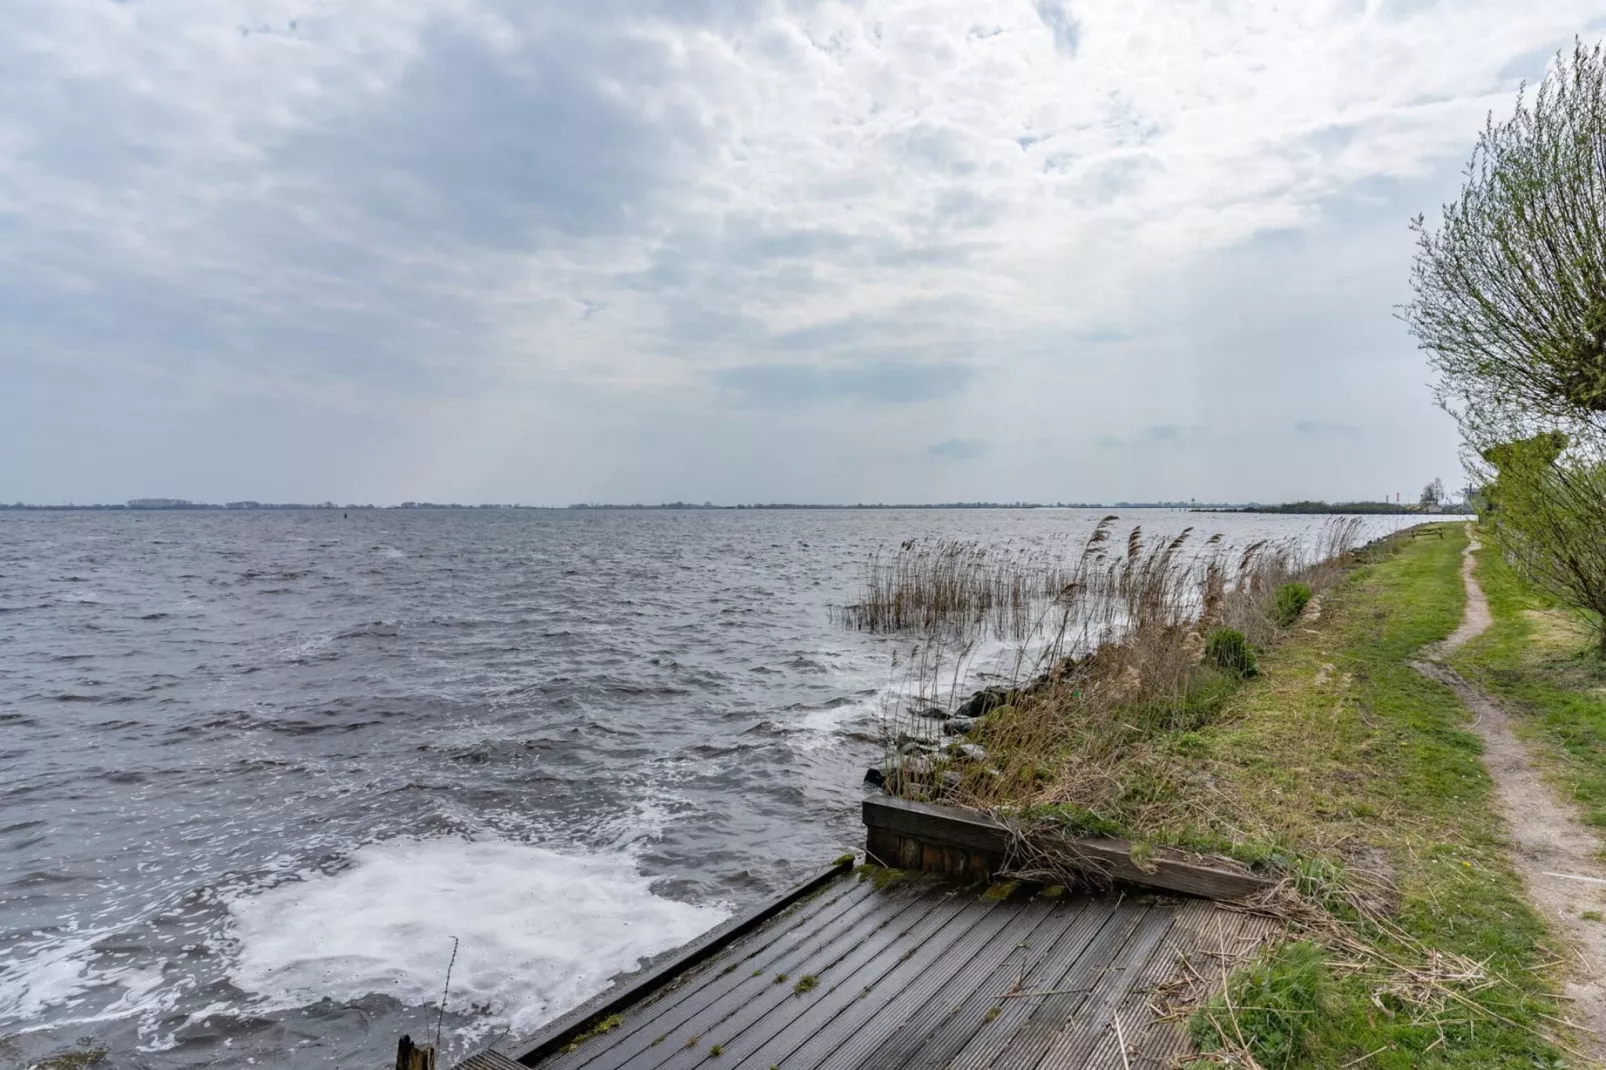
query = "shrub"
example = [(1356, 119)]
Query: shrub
[(1229, 651), (1277, 1004), (1290, 603)]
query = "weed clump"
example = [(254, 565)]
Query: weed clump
[(1229, 651), (1073, 820), (1290, 602), (608, 1024), (882, 877), (1271, 1007)]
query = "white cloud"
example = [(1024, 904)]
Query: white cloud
[(461, 211)]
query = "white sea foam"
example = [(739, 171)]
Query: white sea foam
[(816, 729), (540, 931), (44, 975), (53, 976)]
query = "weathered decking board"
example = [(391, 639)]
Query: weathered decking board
[(923, 973), (944, 839)]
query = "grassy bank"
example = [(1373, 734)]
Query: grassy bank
[(1334, 764), (1346, 762), (1542, 662), (1343, 768)]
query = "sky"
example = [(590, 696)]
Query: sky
[(545, 252)]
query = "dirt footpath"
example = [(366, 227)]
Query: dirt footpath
[(1553, 852)]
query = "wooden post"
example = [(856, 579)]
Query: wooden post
[(411, 1057)]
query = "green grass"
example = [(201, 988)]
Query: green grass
[(1543, 664), (1276, 1005), (612, 1022), (1341, 756)]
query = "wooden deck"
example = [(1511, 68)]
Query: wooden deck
[(922, 974)]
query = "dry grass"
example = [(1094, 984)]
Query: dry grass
[(961, 590), (1107, 659)]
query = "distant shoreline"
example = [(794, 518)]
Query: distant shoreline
[(1296, 508)]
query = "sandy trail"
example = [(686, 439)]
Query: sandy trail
[(1554, 853)]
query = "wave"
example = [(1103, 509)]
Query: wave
[(538, 930)]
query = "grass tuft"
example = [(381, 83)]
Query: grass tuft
[(611, 1022), (1290, 602), (882, 877), (1270, 1008)]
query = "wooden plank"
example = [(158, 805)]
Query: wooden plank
[(1110, 858), (861, 1022), (712, 980), (1015, 1039), (1143, 1041), (937, 824), (941, 1029), (830, 1020), (772, 1008), (692, 1010), (565, 1028), (1074, 1042), (881, 846), (489, 1060), (976, 1037), (938, 994), (1166, 870), (1205, 940)]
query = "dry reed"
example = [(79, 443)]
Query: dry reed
[(1105, 657)]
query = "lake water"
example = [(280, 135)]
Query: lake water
[(257, 770)]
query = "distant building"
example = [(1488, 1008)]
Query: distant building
[(158, 503)]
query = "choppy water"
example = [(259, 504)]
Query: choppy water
[(258, 769)]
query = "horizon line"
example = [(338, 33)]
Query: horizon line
[(181, 505)]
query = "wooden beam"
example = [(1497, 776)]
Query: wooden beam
[(1110, 858)]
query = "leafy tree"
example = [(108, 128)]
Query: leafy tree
[(1547, 510), (1509, 294)]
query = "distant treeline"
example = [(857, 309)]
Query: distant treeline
[(169, 505), (933, 505), (1353, 507), (154, 505), (177, 506), (874, 505)]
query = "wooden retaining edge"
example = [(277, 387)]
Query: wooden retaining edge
[(529, 1050), (916, 835)]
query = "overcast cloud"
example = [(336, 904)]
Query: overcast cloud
[(517, 250)]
